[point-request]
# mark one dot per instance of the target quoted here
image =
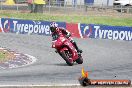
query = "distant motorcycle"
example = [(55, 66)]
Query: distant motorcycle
[(66, 50)]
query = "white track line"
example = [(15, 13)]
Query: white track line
[(61, 85), (32, 58)]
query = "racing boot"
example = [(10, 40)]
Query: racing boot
[(78, 50)]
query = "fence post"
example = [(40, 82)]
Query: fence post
[(49, 6), (128, 9), (80, 4), (17, 8), (65, 6), (0, 5), (121, 9)]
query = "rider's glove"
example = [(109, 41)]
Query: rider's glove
[(68, 35)]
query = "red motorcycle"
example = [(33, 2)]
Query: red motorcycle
[(66, 50)]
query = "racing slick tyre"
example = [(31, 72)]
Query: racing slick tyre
[(66, 57), (79, 60)]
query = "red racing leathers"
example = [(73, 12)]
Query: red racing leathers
[(62, 31)]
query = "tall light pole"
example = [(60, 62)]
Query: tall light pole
[(107, 2)]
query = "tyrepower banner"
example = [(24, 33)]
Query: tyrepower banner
[(77, 30), (27, 26), (105, 32)]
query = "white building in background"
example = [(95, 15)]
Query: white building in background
[(104, 2), (95, 2), (71, 2)]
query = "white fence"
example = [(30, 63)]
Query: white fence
[(65, 7)]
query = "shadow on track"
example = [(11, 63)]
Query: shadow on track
[(63, 64)]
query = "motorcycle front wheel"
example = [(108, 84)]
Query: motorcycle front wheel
[(79, 60), (66, 56)]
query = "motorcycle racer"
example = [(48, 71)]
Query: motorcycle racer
[(58, 30)]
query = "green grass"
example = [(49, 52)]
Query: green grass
[(2, 56), (105, 20)]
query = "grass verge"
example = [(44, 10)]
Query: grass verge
[(5, 56), (2, 56), (105, 20)]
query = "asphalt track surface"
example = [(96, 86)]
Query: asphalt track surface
[(104, 59)]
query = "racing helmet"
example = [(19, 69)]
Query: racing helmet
[(53, 26)]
